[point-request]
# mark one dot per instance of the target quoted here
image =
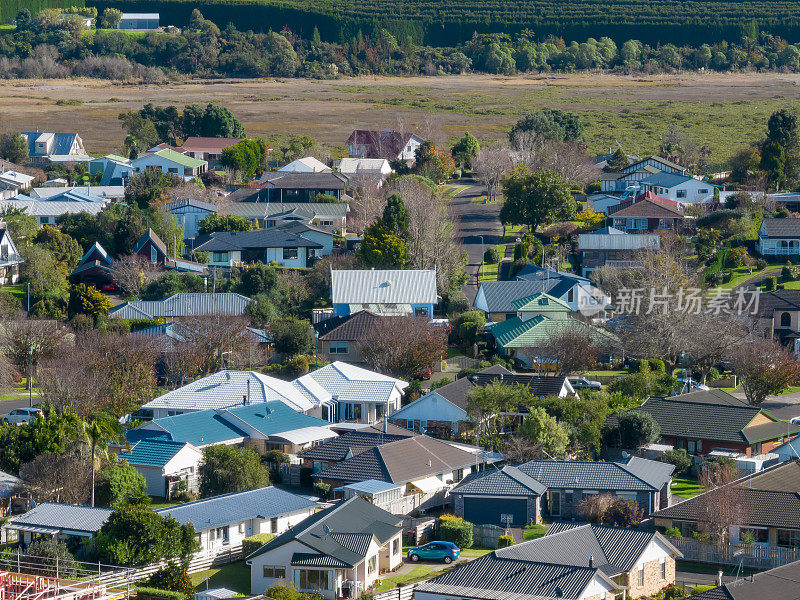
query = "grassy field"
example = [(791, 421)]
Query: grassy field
[(235, 576), (686, 487), (723, 111)]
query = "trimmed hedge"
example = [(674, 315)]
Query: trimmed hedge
[(505, 540), (151, 593), (254, 542), (457, 531)]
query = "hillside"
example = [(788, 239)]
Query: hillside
[(10, 8), (442, 22)]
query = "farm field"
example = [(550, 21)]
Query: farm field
[(723, 111)]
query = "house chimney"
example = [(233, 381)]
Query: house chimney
[(244, 399)]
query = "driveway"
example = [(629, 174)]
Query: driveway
[(472, 220)]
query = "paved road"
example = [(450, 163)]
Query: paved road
[(9, 405), (472, 221)]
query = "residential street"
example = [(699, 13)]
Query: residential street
[(472, 221)]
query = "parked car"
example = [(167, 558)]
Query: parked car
[(446, 552), (582, 383), (21, 415)]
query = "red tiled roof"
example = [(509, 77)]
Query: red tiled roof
[(207, 144)]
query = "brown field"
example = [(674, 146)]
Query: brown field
[(721, 110)]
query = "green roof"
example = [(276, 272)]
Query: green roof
[(516, 333), (541, 303), (181, 159)]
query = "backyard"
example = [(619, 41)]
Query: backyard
[(234, 576)]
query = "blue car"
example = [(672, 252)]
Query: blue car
[(446, 552)]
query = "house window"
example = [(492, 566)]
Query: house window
[(326, 223), (289, 253), (789, 538), (571, 296), (274, 572), (410, 424), (665, 223), (171, 170), (458, 476), (702, 191), (662, 573), (786, 320), (640, 577), (273, 524), (352, 411), (396, 546), (568, 497), (222, 534), (372, 564), (219, 257), (338, 348), (681, 194), (153, 255), (421, 311), (759, 535), (188, 172), (306, 579)]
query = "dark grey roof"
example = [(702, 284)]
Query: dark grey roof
[(537, 273), (401, 461), (508, 481), (500, 295), (781, 228), (555, 566), (151, 235), (780, 583), (339, 531), (711, 415), (350, 328), (263, 503), (769, 498), (222, 241), (355, 442), (540, 385), (314, 181), (307, 559)]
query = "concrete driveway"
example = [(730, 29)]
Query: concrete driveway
[(471, 221)]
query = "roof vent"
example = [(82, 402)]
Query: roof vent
[(625, 454), (430, 464), (591, 562), (227, 376), (326, 529)]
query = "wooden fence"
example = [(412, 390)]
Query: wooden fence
[(405, 592), (755, 557), (486, 535)]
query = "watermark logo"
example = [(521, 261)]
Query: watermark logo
[(643, 301)]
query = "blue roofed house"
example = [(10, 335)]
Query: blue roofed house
[(403, 292), (167, 467), (677, 187), (45, 147), (115, 169), (222, 522)]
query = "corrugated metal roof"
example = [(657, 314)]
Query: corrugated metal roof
[(383, 286), (200, 428), (349, 384), (184, 305), (50, 208), (62, 142), (370, 486), (262, 503), (152, 452), (531, 333), (613, 241), (501, 295), (66, 517)]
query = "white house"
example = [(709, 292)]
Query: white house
[(339, 551), (391, 145), (232, 248), (10, 258), (139, 21), (169, 161), (222, 522), (678, 188), (365, 166), (165, 465), (779, 237), (309, 164), (45, 147)]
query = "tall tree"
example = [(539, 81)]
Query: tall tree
[(227, 469), (99, 430), (540, 428), (764, 367), (395, 216), (403, 346), (14, 148), (465, 150), (550, 124), (382, 249), (536, 198)]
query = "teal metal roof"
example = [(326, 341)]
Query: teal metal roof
[(152, 452), (274, 417), (199, 428), (516, 333)]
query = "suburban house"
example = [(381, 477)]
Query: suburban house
[(169, 161), (10, 258), (572, 562), (13, 182), (648, 214), (516, 495), (222, 522), (138, 21), (378, 167), (95, 268), (79, 193), (46, 147), (342, 337), (442, 412), (765, 505), (263, 427), (47, 212), (350, 444), (225, 389), (66, 522), (779, 237), (152, 248), (308, 164), (115, 169), (538, 319), (390, 145), (629, 177), (232, 248), (497, 298), (702, 422), (678, 188), (183, 305), (329, 216), (208, 149), (615, 248), (167, 466), (188, 213), (9, 486), (338, 552), (384, 292), (779, 583), (419, 464), (280, 186), (310, 232), (778, 317), (358, 395)]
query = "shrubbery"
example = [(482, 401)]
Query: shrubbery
[(252, 543), (456, 530)]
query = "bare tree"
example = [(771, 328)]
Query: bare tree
[(403, 346), (570, 159), (764, 367), (490, 166), (594, 506), (130, 273), (724, 505), (61, 478), (431, 129), (572, 350), (368, 203), (27, 342), (213, 342), (521, 450)]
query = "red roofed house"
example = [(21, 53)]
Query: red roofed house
[(647, 213)]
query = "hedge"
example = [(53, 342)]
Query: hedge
[(505, 540), (151, 593), (254, 542), (457, 531)]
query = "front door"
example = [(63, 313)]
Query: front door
[(555, 504)]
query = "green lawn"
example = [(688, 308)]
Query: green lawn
[(418, 573), (452, 189), (612, 373), (533, 533), (686, 487), (742, 274), (17, 290), (489, 272), (157, 503), (235, 576), (475, 552)]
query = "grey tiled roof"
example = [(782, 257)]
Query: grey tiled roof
[(263, 503), (353, 443), (352, 327), (223, 241), (64, 517), (565, 474), (500, 295), (781, 227), (508, 481), (246, 203), (352, 516), (780, 583)]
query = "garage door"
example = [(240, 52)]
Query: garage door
[(485, 511)]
